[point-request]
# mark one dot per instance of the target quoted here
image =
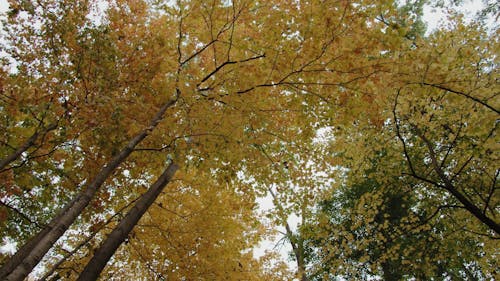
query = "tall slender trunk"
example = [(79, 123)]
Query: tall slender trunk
[(83, 243), (296, 243), (25, 146), (298, 252), (25, 250), (23, 262), (122, 230)]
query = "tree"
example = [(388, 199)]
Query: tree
[(453, 122), (122, 230), (421, 188), (390, 230), (95, 95), (197, 228), (294, 183), (135, 81)]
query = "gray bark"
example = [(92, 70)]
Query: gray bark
[(122, 230), (23, 262)]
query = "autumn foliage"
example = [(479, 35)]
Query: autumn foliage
[(381, 139)]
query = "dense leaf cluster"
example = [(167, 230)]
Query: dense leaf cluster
[(379, 139)]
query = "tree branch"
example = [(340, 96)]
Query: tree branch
[(218, 68), (448, 185), (20, 213), (25, 146), (463, 95)]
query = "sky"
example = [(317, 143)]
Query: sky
[(434, 17)]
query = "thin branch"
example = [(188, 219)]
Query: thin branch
[(463, 95), (400, 137), (197, 52), (20, 213), (438, 209), (218, 68), (179, 42), (311, 93), (232, 30), (175, 139), (148, 265), (453, 143), (490, 195), (26, 145), (482, 234)]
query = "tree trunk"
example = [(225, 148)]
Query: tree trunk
[(23, 262), (83, 243), (25, 250), (122, 230), (297, 244), (298, 251)]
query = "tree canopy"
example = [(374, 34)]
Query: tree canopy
[(158, 127)]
